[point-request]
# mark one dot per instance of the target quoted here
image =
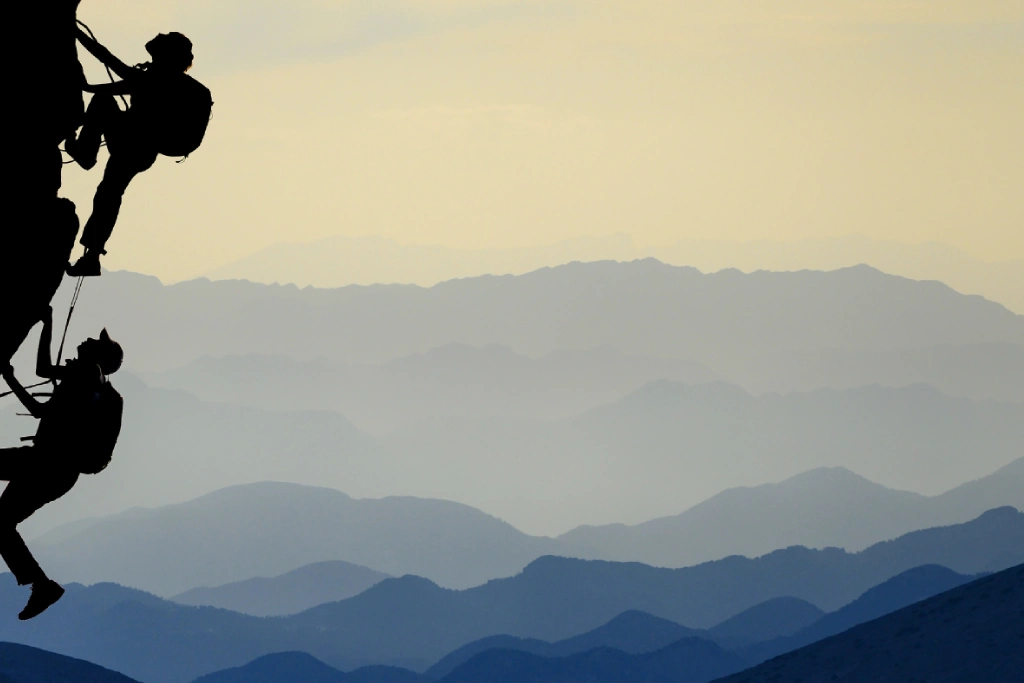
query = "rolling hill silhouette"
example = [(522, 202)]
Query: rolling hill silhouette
[(631, 632), (827, 508), (971, 633), (299, 667), (691, 660), (638, 632), (771, 619), (271, 528), (411, 622), (819, 508), (909, 587), (290, 593)]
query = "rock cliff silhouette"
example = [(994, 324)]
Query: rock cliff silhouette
[(46, 78)]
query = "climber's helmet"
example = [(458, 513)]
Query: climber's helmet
[(104, 352), (171, 50)]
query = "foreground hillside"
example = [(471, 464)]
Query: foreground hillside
[(21, 664), (411, 622), (632, 647), (971, 633)]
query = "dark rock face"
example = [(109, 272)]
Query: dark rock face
[(44, 107)]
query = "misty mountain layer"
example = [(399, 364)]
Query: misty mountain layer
[(656, 453), (216, 539), (819, 508)]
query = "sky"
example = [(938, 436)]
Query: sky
[(512, 123)]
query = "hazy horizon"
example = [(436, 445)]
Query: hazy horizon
[(483, 124)]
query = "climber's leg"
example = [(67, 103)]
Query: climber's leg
[(122, 167), (102, 118)]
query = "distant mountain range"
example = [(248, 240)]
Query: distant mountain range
[(725, 320), (450, 381), (291, 593), (412, 623), (970, 633), (463, 381), (820, 508), (977, 371), (340, 261)]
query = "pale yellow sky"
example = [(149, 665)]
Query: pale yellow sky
[(485, 123)]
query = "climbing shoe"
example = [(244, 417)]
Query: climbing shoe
[(87, 266), (44, 594)]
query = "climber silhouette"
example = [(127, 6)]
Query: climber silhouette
[(78, 429), (168, 115)]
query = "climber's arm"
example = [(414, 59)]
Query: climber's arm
[(44, 364), (104, 55), (118, 88), (31, 404)]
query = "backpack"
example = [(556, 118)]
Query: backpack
[(184, 112), (103, 420)]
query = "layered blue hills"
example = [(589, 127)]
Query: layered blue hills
[(633, 646), (413, 623), (972, 633)]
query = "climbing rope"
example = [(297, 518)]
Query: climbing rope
[(110, 74), (63, 338), (67, 323)]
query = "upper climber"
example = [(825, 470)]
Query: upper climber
[(168, 115)]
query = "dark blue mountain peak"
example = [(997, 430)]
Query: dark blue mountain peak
[(1006, 513)]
